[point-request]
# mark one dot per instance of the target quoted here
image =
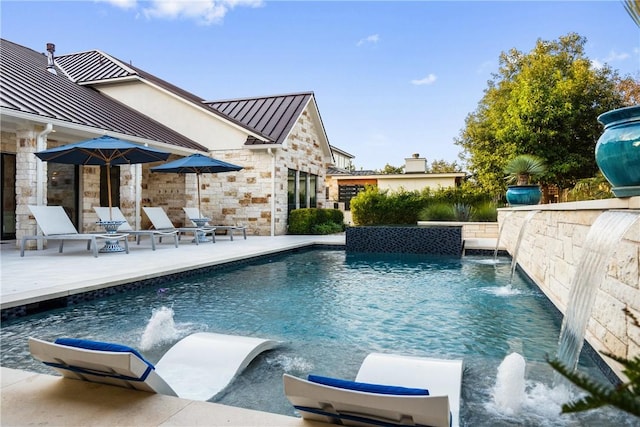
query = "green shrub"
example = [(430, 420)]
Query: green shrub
[(309, 220), (381, 207), (485, 212), (438, 212), (327, 228)]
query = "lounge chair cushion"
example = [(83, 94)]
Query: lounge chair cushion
[(101, 346), (367, 387)]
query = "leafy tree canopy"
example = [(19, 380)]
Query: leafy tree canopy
[(442, 166), (392, 170), (544, 103)]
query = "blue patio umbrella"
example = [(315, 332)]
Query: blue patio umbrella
[(103, 151), (198, 164)]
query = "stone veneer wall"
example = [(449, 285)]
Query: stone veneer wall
[(551, 248), (470, 230)]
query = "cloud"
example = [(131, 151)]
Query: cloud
[(430, 79), (203, 11), (613, 56), (616, 56), (122, 4), (374, 38)]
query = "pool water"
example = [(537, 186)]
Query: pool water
[(329, 309)]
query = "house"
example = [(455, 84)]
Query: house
[(343, 185), (48, 101)]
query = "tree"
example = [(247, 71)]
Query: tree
[(442, 166), (544, 103), (392, 170), (630, 90)]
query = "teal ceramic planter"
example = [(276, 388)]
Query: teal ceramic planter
[(618, 150), (522, 195)]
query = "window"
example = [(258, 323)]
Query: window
[(301, 190)]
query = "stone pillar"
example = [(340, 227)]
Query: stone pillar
[(26, 176)]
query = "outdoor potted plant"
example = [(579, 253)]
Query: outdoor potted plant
[(520, 171), (618, 150)]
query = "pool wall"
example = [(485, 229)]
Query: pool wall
[(550, 250), (438, 240)]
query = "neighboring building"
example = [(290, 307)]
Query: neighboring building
[(279, 140), (342, 185), (341, 159)]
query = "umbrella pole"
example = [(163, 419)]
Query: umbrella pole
[(198, 182), (109, 188)]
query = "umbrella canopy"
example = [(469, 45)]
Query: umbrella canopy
[(198, 164), (103, 151)]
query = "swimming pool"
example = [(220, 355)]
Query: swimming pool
[(330, 309)]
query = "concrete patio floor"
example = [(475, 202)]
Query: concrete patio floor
[(37, 399)]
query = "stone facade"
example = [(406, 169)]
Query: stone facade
[(550, 250), (242, 197)]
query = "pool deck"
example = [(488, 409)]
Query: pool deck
[(37, 399)]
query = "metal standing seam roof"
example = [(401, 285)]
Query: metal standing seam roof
[(273, 116), (93, 67), (26, 86)]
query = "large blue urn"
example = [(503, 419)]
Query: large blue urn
[(522, 195), (618, 150)]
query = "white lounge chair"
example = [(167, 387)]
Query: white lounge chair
[(56, 225), (194, 213), (389, 390), (161, 222), (197, 367), (116, 215)]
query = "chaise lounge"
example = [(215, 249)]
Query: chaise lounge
[(197, 367), (56, 225), (116, 215), (389, 390), (194, 213), (161, 222)]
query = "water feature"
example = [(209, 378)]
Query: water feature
[(504, 221), (329, 310), (516, 249), (603, 236)]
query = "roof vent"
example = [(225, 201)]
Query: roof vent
[(51, 48)]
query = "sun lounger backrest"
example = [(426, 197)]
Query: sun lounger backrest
[(100, 362), (116, 215), (52, 220), (158, 218), (193, 213), (342, 406), (441, 376)]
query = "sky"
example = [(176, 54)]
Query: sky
[(391, 78)]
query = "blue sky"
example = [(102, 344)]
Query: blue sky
[(391, 78)]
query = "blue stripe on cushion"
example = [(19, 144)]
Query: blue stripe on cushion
[(368, 388)]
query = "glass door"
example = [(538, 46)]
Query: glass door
[(8, 203)]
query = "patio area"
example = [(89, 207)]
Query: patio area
[(37, 399)]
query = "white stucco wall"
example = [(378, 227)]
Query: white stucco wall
[(183, 117)]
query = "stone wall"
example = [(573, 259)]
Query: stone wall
[(550, 250), (242, 197), (470, 230)]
